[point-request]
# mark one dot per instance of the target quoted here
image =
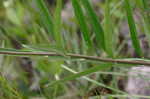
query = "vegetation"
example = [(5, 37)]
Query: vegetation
[(71, 49)]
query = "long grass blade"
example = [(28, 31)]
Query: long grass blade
[(81, 20), (133, 30), (58, 24), (45, 15), (145, 12), (98, 30), (84, 73), (108, 31), (93, 81)]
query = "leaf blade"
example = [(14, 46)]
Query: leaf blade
[(133, 30), (98, 30), (81, 20), (46, 18)]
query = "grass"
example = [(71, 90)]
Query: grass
[(92, 29), (94, 21), (133, 30), (81, 20)]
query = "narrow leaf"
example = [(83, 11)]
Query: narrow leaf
[(58, 23), (108, 31), (81, 20), (98, 30), (45, 15), (146, 17), (132, 26), (84, 73)]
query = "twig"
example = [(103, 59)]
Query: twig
[(94, 58)]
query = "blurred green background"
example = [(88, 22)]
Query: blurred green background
[(103, 28)]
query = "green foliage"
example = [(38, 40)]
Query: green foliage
[(133, 30), (109, 43), (46, 18), (84, 28), (57, 24), (8, 91), (94, 21), (82, 22)]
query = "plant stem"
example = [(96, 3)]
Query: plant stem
[(94, 58)]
